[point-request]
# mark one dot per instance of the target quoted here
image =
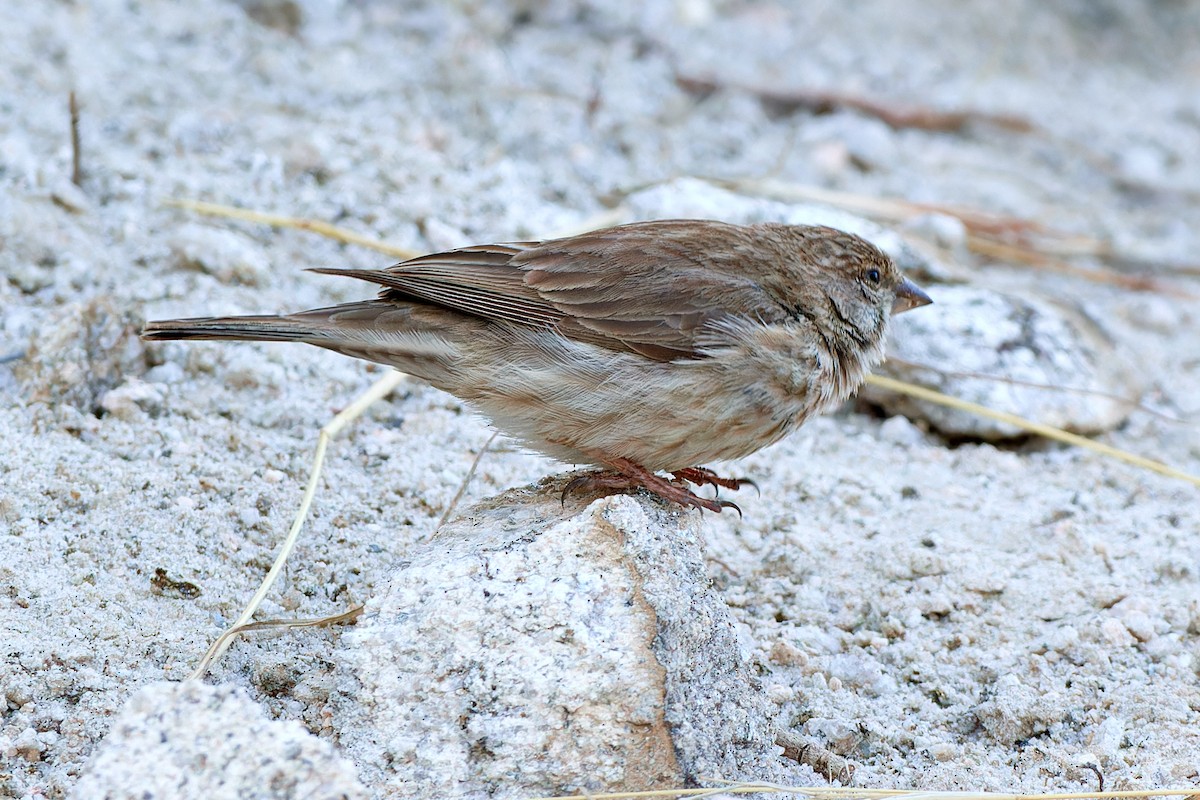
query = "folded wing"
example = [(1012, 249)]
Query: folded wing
[(651, 288)]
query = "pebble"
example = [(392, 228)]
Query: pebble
[(942, 751), (166, 373), (131, 399), (1115, 633), (901, 431)]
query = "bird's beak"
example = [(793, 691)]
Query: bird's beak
[(908, 297)]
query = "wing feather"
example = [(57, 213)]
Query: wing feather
[(654, 288)]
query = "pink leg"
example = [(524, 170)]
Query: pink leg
[(703, 476), (633, 476)]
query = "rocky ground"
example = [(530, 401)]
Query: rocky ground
[(944, 605)]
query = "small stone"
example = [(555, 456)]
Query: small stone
[(1134, 612), (1139, 625), (245, 369), (900, 430), (69, 196), (131, 399), (249, 516), (167, 373), (941, 229), (840, 736), (942, 751), (1115, 633), (1143, 163), (442, 235), (1063, 639), (830, 158), (1014, 711), (786, 654), (780, 694), (27, 745), (1108, 736)]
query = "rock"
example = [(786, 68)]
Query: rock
[(193, 740), (530, 650), (132, 399), (1014, 712), (1027, 344)]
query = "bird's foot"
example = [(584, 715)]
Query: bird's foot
[(703, 476), (629, 475)]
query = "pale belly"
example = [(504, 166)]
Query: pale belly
[(663, 416)]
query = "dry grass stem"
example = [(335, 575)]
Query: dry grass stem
[(380, 389), (1128, 402), (281, 221), (76, 147), (466, 481), (1058, 435), (851, 793), (816, 101)]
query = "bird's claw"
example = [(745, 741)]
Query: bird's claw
[(629, 475)]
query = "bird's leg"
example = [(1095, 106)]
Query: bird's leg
[(703, 476), (634, 476)]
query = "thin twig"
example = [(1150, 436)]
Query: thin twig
[(822, 760), (887, 208), (841, 792), (226, 638), (380, 389), (789, 101), (1006, 251), (466, 481), (299, 223), (76, 150), (998, 237), (1129, 402), (1058, 435)]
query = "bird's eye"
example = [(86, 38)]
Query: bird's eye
[(873, 276)]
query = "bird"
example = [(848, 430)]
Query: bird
[(640, 349)]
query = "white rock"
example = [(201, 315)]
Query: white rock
[(193, 740), (131, 398), (1023, 345), (900, 430), (168, 372), (1014, 711), (546, 653)]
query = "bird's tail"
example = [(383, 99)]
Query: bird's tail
[(387, 333), (320, 326), (255, 329)]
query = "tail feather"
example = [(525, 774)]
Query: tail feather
[(252, 329)]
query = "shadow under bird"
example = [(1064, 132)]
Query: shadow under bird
[(643, 348)]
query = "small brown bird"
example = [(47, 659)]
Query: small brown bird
[(654, 346)]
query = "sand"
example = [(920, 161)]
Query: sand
[(945, 612)]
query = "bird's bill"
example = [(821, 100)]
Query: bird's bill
[(908, 297)]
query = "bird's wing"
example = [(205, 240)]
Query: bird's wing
[(651, 288)]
